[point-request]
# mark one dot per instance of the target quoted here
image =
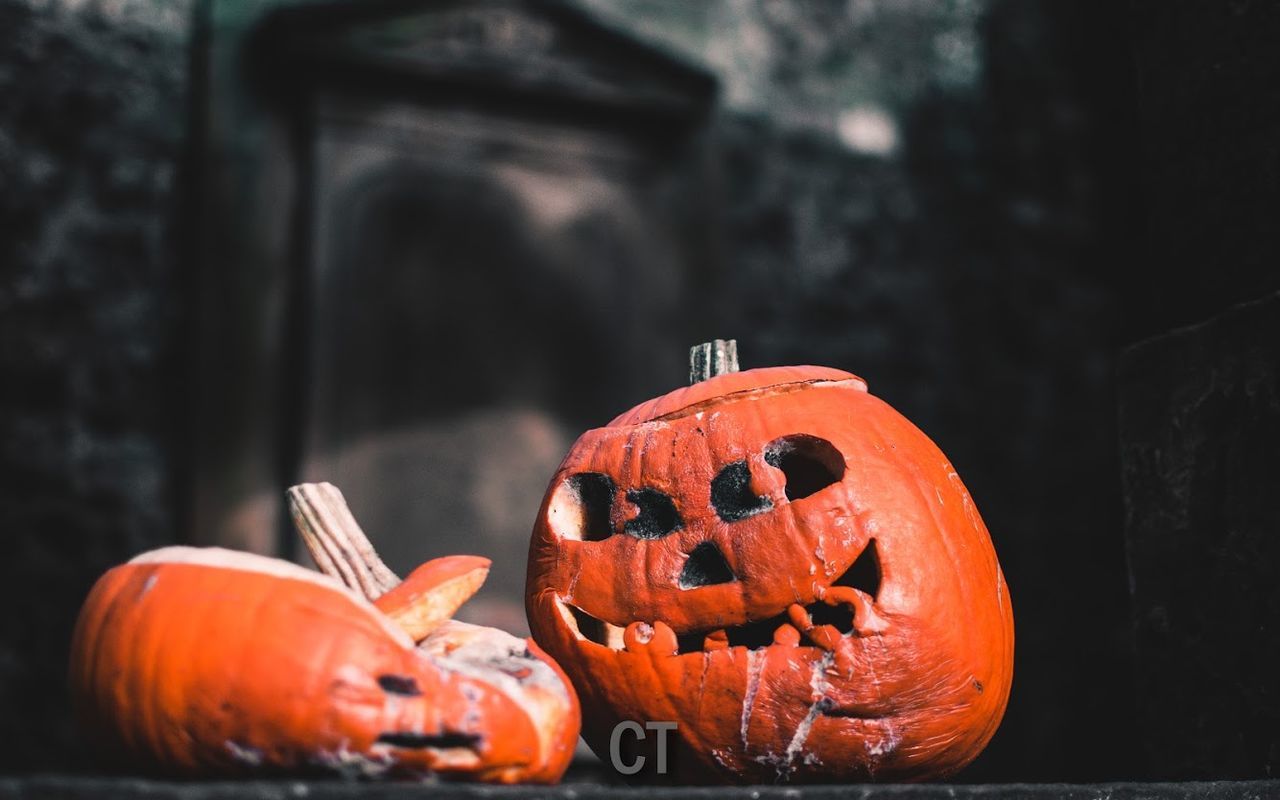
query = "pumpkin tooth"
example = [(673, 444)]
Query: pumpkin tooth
[(716, 640), (799, 616), (865, 619), (657, 638), (786, 634), (637, 636), (664, 641), (825, 636), (843, 595)]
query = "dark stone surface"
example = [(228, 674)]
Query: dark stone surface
[(90, 303), (42, 788), (1200, 435)]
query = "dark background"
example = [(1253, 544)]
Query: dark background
[(975, 205)]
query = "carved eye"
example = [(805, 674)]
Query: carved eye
[(705, 567), (865, 574), (580, 507), (810, 464), (731, 494), (657, 518)]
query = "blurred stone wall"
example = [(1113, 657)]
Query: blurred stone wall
[(91, 132)]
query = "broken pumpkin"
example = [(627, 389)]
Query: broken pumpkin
[(203, 661)]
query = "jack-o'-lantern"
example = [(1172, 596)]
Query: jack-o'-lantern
[(786, 568)]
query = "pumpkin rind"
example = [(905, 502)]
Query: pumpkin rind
[(916, 687)]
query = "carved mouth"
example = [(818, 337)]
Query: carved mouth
[(842, 609), (789, 627)]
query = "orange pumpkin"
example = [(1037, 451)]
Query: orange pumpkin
[(785, 567), (214, 662)]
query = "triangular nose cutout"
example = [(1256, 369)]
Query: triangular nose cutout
[(706, 566)]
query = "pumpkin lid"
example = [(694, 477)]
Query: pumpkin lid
[(684, 400)]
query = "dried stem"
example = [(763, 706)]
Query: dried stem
[(709, 359), (335, 540)]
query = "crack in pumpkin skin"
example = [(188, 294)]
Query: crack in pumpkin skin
[(888, 695), (734, 385)]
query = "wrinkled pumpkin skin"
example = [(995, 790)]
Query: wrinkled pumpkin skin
[(912, 689), (203, 662)]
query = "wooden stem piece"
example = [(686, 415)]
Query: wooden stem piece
[(335, 540)]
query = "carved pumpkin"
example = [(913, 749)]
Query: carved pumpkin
[(203, 661), (785, 567)]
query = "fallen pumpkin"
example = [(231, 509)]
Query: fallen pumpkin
[(213, 662), (786, 568)]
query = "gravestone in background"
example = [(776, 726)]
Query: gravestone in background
[(497, 223), (1200, 443)]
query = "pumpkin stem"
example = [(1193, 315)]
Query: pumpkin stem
[(713, 358), (335, 540)]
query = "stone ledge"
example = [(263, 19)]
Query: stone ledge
[(74, 788)]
